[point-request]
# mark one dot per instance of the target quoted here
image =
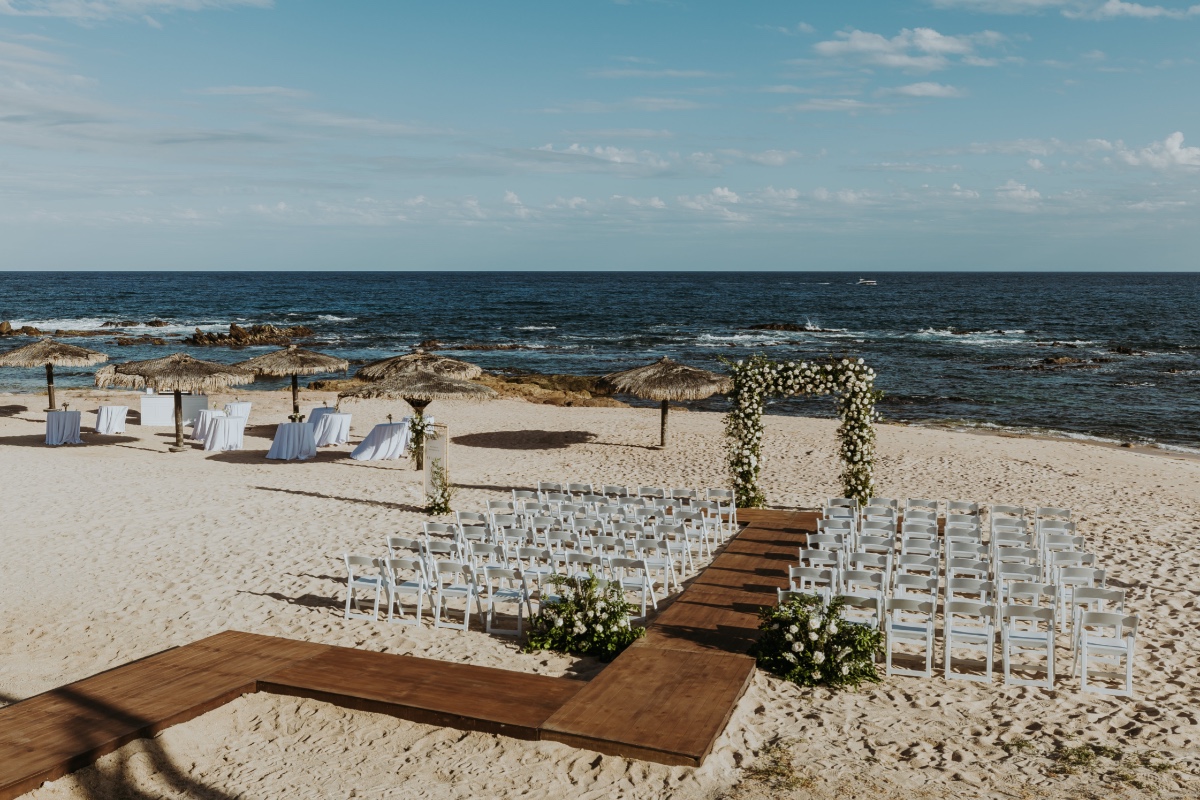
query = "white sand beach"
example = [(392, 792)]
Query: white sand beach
[(117, 549)]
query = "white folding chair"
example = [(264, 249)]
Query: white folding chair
[(1027, 631), (1092, 598), (455, 581), (477, 518), (917, 587), (615, 492), (403, 546), (405, 577), (890, 502), (965, 507), (503, 585), (862, 610), (969, 626), (821, 559), (726, 498), (979, 569), (922, 505), (909, 621), (632, 575), (1105, 641), (658, 558), (651, 491), (358, 581), (807, 580), (863, 583)]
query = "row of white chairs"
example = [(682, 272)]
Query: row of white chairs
[(1103, 642)]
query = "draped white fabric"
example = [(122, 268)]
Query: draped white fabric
[(204, 420), (386, 441), (293, 440), (237, 409), (62, 427), (315, 415), (111, 419), (332, 429), (225, 433)]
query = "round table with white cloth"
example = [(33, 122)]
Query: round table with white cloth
[(204, 421), (62, 427), (241, 409), (388, 440), (332, 429), (315, 415), (111, 419), (225, 433), (293, 440)]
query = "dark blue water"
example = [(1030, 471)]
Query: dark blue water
[(931, 336)]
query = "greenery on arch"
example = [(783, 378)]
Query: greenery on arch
[(757, 379)]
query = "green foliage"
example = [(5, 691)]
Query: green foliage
[(804, 640), (757, 379), (590, 618), (438, 501)]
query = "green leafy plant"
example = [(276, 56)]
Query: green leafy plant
[(438, 501), (757, 379), (804, 640), (419, 429), (589, 618)]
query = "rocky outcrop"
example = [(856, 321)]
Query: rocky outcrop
[(554, 390), (6, 328), (245, 337), (127, 341), (125, 323), (156, 323)]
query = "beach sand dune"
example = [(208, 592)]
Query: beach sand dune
[(118, 549)]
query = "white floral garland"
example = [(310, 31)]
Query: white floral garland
[(758, 378)]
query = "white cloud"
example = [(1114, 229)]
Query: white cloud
[(912, 50), (1168, 153), (1075, 9), (622, 133), (796, 30), (1118, 8), (767, 158), (1014, 193), (254, 91), (610, 154), (927, 89), (1036, 164), (96, 10), (845, 104), (715, 203)]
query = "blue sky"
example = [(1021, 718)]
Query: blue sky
[(591, 134)]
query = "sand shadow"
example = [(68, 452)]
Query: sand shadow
[(359, 500), (39, 440), (260, 457), (118, 780), (525, 440), (12, 411), (307, 600)]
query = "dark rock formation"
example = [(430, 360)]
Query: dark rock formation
[(156, 323), (245, 337)]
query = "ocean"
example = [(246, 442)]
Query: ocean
[(1090, 355)]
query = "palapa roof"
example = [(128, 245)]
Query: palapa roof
[(293, 360), (668, 380), (422, 386), (418, 361), (47, 351), (179, 372)]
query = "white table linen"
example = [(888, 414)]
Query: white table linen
[(237, 409), (293, 440), (111, 419), (225, 433), (315, 415), (388, 440), (62, 427), (204, 421), (332, 429)]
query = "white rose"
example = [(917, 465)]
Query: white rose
[(797, 647), (793, 629), (814, 623), (813, 636), (833, 627), (819, 657)]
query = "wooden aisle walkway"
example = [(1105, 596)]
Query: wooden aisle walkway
[(665, 699)]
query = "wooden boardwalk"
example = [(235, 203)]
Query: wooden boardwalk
[(665, 699)]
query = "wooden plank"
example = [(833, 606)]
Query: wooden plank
[(424, 690), (656, 704)]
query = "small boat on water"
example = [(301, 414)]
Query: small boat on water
[(865, 282)]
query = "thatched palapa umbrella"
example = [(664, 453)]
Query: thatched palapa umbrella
[(419, 389), (668, 380), (293, 361), (418, 361), (178, 373), (50, 354)]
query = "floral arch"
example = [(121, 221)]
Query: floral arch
[(759, 378)]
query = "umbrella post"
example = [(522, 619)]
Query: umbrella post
[(666, 407), (178, 447), (296, 397), (50, 386)]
